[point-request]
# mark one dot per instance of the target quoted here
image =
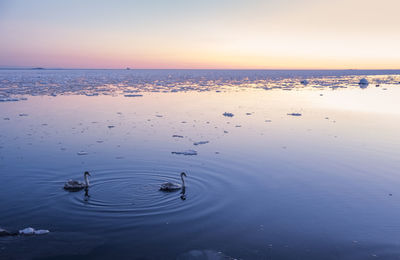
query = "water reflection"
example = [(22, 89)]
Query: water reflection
[(277, 184), (183, 193), (87, 196)]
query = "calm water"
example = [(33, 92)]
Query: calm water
[(267, 185)]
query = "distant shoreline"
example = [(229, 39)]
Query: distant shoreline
[(139, 69)]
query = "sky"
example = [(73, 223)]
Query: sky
[(201, 34)]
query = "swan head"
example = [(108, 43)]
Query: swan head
[(86, 174), (183, 174)]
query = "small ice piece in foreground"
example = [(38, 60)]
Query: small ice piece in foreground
[(294, 114), (187, 152), (227, 114), (41, 232), (363, 81), (201, 142), (27, 231), (82, 153), (177, 136), (4, 232), (31, 231)]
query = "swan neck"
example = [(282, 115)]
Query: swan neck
[(86, 181), (183, 181)]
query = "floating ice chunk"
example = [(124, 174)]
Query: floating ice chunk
[(201, 142), (249, 114), (294, 114), (82, 153), (363, 81), (133, 95), (187, 152), (23, 114), (27, 231), (4, 232), (268, 121), (111, 126), (177, 136), (9, 99), (31, 231), (41, 232), (227, 114), (304, 82), (6, 118)]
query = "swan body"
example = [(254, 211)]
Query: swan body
[(77, 185), (169, 186)]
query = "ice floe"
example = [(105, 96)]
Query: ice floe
[(201, 142), (26, 232), (133, 95), (363, 81), (304, 82), (9, 99), (31, 231), (187, 152), (294, 114), (227, 114), (59, 82)]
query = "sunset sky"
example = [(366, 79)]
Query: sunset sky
[(206, 34)]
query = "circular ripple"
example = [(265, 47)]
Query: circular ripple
[(134, 194), (123, 196)]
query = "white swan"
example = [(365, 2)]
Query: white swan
[(77, 185), (169, 186)]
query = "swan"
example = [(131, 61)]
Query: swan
[(77, 185), (169, 186)]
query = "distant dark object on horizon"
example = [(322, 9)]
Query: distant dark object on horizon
[(127, 68), (38, 68)]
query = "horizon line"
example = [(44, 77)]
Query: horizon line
[(129, 68)]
